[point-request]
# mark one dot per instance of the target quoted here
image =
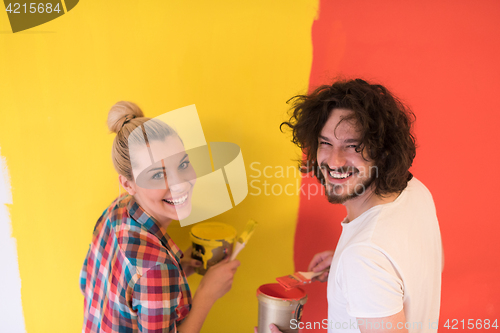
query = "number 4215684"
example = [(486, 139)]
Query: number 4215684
[(17, 8), (470, 324)]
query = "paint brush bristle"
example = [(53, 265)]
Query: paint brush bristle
[(297, 279)]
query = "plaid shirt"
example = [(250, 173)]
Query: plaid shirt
[(132, 279)]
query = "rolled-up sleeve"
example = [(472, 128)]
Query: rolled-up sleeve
[(156, 297)]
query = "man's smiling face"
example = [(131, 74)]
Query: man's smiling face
[(347, 173)]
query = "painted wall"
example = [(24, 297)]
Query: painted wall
[(238, 62), (441, 58)]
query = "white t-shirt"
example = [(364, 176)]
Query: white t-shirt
[(388, 258)]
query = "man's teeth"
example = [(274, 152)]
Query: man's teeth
[(177, 201), (338, 175)]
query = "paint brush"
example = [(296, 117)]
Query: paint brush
[(297, 279), (243, 239)]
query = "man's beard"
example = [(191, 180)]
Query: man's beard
[(358, 190)]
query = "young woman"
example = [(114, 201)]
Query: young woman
[(134, 276)]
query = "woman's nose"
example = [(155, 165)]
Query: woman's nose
[(177, 183)]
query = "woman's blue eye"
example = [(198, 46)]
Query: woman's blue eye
[(184, 165), (158, 175)]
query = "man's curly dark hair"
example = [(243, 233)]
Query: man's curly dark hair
[(384, 121)]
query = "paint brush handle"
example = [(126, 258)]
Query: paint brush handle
[(243, 239), (310, 275), (237, 248)]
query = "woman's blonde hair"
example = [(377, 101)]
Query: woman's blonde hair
[(123, 118)]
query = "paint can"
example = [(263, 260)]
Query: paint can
[(212, 242), (280, 307)]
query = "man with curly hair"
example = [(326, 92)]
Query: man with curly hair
[(385, 273)]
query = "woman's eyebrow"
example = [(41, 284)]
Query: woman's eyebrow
[(162, 168)]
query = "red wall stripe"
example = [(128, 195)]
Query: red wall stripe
[(442, 59)]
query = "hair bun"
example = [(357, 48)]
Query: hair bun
[(121, 113)]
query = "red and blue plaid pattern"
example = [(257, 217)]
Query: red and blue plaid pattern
[(132, 279)]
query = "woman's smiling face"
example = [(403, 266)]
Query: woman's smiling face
[(163, 189)]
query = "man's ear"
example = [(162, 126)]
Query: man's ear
[(128, 185)]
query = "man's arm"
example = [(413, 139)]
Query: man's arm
[(442, 253), (394, 323)]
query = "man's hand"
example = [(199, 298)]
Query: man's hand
[(319, 262), (189, 264), (272, 327)]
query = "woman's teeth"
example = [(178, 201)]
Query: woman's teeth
[(177, 201), (338, 175)]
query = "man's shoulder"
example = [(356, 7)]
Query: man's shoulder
[(367, 259), (417, 187), (362, 251)]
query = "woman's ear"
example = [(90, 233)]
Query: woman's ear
[(128, 185)]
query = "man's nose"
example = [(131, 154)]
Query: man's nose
[(336, 159)]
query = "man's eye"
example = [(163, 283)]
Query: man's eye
[(324, 143), (352, 146), (184, 165), (158, 175)]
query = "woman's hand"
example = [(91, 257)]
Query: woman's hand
[(218, 279), (319, 262), (189, 264), (216, 282)]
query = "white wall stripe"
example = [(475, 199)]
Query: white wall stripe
[(11, 308)]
